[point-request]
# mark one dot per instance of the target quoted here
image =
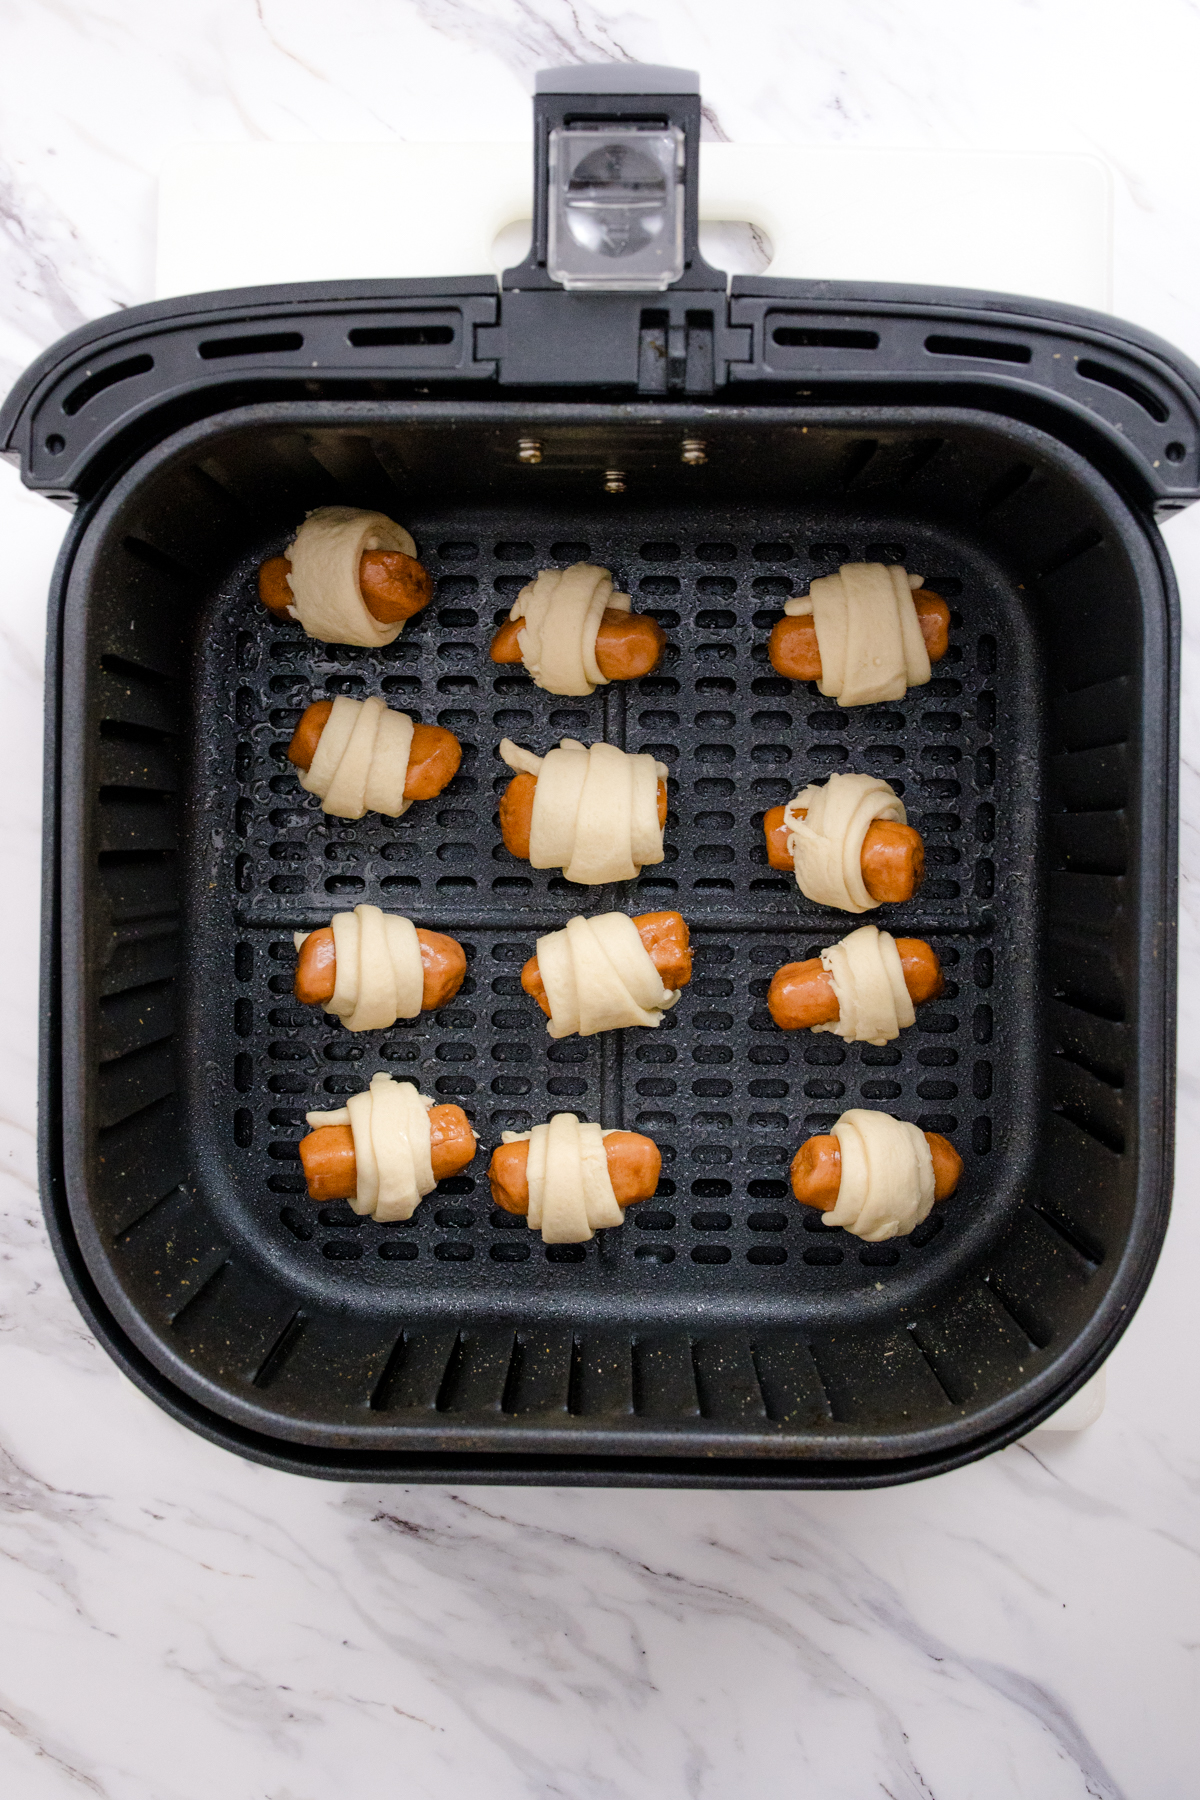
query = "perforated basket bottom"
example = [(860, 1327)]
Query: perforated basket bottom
[(726, 1095)]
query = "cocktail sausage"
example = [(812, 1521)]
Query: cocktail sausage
[(817, 1170), (893, 855), (393, 586), (665, 935), (634, 1165), (433, 758), (628, 644), (801, 993), (443, 964), (330, 1169), (516, 813), (793, 650)]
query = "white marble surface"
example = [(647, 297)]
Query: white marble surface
[(176, 1625)]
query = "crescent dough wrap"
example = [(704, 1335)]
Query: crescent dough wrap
[(868, 632), (599, 976), (595, 810), (868, 979), (826, 846), (379, 975), (887, 1176), (325, 554), (562, 610), (390, 1122), (570, 1193), (361, 759)]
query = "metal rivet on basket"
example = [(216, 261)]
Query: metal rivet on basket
[(529, 450), (694, 452), (614, 481)]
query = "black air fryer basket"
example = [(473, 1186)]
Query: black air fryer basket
[(716, 445)]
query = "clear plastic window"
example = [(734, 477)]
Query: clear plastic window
[(616, 206)]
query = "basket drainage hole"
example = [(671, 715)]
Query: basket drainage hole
[(1174, 452), (823, 1256), (393, 1251)]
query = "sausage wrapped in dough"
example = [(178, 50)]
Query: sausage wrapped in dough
[(569, 1179), (863, 635), (596, 813), (596, 976), (599, 975), (369, 968), (574, 634), (828, 832), (360, 756), (378, 1151), (863, 988), (348, 576), (875, 1176)]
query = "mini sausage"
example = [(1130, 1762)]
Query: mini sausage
[(634, 1165), (893, 855), (443, 964), (666, 937), (793, 650), (330, 1169), (817, 1170), (433, 758), (393, 586), (801, 993), (516, 812), (628, 644)]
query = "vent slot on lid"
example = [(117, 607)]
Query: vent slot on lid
[(816, 337), (986, 349), (367, 337), (1125, 384), (258, 344), (96, 383)]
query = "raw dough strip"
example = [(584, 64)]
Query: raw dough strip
[(826, 845), (595, 810), (390, 1123), (874, 1005), (868, 632), (380, 976), (361, 759), (570, 1191), (325, 554), (562, 610), (599, 976), (887, 1176)]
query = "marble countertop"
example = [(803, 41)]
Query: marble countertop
[(175, 1624)]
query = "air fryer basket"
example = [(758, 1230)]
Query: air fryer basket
[(1014, 453), (718, 1337)]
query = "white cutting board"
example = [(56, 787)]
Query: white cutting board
[(244, 215), (240, 215)]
